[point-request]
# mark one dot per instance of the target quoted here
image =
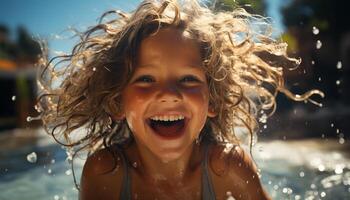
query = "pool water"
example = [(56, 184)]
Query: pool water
[(307, 169)]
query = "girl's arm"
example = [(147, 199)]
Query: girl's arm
[(97, 179), (238, 174), (247, 170)]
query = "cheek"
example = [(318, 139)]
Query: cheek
[(198, 96), (135, 97)]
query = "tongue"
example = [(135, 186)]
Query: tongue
[(168, 128)]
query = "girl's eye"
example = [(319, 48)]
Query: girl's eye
[(190, 79), (145, 79)]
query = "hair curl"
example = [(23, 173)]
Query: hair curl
[(243, 64)]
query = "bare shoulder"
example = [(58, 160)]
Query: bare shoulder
[(234, 171), (101, 176)]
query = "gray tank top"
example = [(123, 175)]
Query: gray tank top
[(208, 192)]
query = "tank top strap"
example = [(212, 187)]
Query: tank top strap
[(125, 189), (208, 192)]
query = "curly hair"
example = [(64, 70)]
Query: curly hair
[(243, 64)]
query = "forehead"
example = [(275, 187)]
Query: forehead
[(169, 45)]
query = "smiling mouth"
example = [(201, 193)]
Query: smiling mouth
[(168, 129)]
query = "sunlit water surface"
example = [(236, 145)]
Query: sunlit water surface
[(308, 169)]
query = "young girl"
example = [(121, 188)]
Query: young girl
[(159, 95)]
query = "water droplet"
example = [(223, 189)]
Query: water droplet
[(315, 30), (338, 169), (301, 174), (53, 161), (229, 195), (265, 126), (337, 130), (337, 82), (321, 168), (263, 118), (339, 65), (29, 119), (297, 197), (94, 69), (68, 172), (32, 157), (134, 164), (313, 186), (13, 98), (323, 194), (56, 197), (318, 44), (37, 108), (319, 79), (341, 140), (312, 62), (284, 190), (332, 125), (275, 187), (49, 171)]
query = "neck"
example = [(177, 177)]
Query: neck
[(153, 169)]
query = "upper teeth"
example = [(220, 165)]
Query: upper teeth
[(168, 118)]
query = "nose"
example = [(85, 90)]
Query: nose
[(169, 93)]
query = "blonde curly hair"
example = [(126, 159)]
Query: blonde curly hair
[(243, 64)]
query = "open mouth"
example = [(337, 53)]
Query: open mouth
[(167, 129)]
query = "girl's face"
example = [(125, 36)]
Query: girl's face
[(168, 84)]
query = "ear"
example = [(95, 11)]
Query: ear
[(211, 112)]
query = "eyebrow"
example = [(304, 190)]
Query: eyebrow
[(151, 65)]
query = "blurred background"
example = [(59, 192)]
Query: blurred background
[(303, 150)]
